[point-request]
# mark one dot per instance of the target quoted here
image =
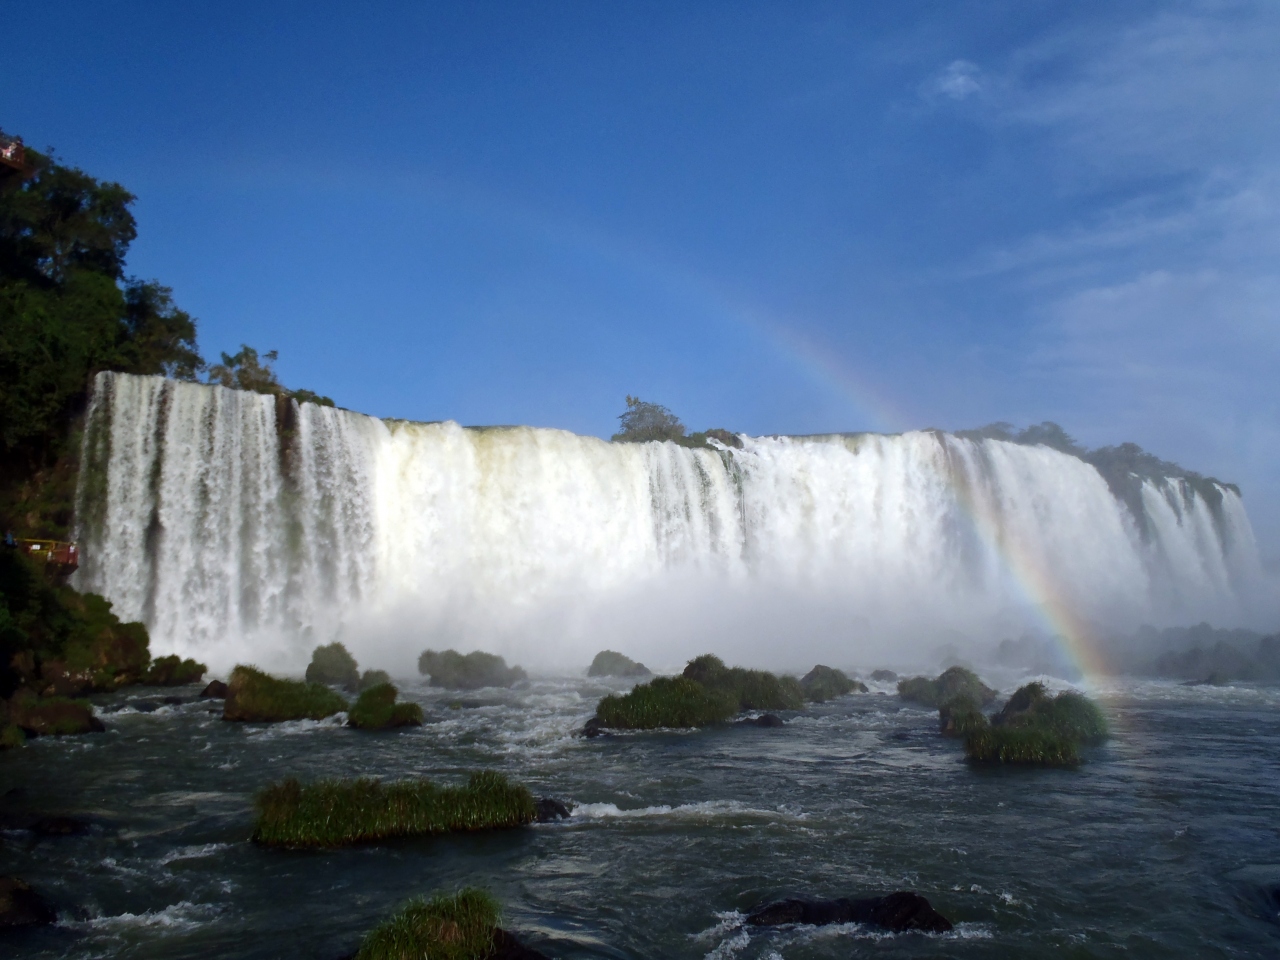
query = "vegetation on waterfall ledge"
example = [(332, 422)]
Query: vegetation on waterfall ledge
[(376, 709), (458, 926), (333, 813), (644, 422), (254, 696), (454, 671)]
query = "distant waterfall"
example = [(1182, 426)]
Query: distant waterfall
[(241, 526)]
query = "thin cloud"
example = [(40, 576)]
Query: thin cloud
[(958, 81)]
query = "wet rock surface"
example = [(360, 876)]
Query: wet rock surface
[(550, 809), (216, 690), (20, 906), (901, 911)]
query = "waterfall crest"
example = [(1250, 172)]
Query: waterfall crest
[(240, 526)]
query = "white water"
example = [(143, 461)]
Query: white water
[(233, 544)]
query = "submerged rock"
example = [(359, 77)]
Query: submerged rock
[(216, 690), (20, 906), (550, 809), (765, 720), (901, 911)]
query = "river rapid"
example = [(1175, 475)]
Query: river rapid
[(1164, 843)]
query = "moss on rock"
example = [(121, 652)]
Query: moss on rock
[(254, 696)]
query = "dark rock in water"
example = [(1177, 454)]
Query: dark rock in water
[(884, 676), (172, 701), (144, 706), (59, 827), (609, 663), (52, 716), (1214, 679), (901, 911), (593, 728), (20, 906), (15, 794), (550, 809), (765, 720), (507, 947), (216, 690)]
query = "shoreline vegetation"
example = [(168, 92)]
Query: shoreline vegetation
[(336, 813)]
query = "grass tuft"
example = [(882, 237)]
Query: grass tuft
[(666, 702), (334, 813), (254, 696), (457, 927), (961, 716), (376, 709), (1069, 714), (1021, 745)]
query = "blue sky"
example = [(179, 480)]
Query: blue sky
[(776, 217)]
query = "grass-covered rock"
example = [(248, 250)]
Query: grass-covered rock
[(952, 683), (371, 678), (173, 671), (332, 813), (751, 689), (254, 696), (608, 663), (11, 736), (666, 702), (960, 716), (1036, 746), (826, 683), (50, 716), (457, 927), (331, 664), (1069, 713), (376, 709), (456, 671)]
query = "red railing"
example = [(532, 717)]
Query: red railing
[(61, 552)]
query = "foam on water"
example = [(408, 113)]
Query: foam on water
[(176, 917)]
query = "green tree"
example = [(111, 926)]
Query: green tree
[(648, 421), (249, 370)]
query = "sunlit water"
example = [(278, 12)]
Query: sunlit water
[(1165, 843)]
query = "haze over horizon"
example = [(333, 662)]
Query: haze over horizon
[(773, 218)]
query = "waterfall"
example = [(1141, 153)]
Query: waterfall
[(241, 526)]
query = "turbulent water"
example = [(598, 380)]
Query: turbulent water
[(237, 526), (1162, 844)]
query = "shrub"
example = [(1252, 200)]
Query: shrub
[(826, 683), (52, 716), (454, 671), (333, 813), (955, 682), (960, 716), (171, 671), (610, 664), (458, 927), (752, 689), (666, 702), (333, 665), (11, 736), (371, 678), (254, 696), (376, 709), (1021, 745)]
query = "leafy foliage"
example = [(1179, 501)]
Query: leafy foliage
[(332, 664), (333, 813), (246, 370), (644, 422), (457, 927), (254, 696), (674, 702), (454, 671), (376, 709)]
